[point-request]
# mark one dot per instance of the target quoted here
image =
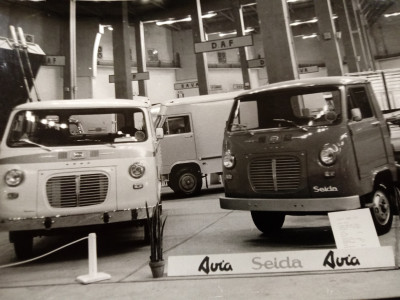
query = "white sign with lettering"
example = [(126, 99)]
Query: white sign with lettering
[(285, 261), (353, 229), (223, 44)]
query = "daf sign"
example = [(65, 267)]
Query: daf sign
[(224, 44)]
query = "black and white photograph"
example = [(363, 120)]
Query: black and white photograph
[(199, 149)]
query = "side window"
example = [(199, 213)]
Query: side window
[(358, 98), (177, 125)]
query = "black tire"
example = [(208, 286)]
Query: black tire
[(23, 245), (186, 182), (268, 222), (381, 210)]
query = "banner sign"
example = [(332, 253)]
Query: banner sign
[(285, 261), (134, 77), (186, 85), (223, 44), (256, 63)]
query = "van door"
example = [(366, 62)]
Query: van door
[(367, 134), (178, 143)]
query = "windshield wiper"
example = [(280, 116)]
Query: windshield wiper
[(291, 122), (35, 144)]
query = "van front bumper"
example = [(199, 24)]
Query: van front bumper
[(291, 205), (70, 221)]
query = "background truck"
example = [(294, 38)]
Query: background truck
[(309, 146), (68, 165), (193, 133)]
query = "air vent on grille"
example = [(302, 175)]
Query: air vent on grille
[(77, 190), (276, 174)]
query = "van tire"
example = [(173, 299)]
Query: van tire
[(381, 210), (268, 222), (23, 245), (186, 182)]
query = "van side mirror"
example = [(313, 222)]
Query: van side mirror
[(159, 133), (356, 114)]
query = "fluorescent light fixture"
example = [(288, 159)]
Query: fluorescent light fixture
[(247, 30), (310, 36), (172, 21), (208, 15), (298, 22), (392, 14)]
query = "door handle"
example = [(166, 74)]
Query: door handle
[(376, 123), (188, 136)]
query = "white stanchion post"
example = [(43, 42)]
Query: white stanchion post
[(93, 275)]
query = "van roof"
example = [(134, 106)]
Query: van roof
[(83, 103), (202, 98), (307, 82)]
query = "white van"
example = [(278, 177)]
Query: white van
[(193, 133), (75, 164)]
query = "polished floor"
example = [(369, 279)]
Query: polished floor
[(194, 226)]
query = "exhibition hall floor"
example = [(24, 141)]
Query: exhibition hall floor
[(195, 226)]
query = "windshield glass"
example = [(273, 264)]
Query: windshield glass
[(77, 127), (299, 108)]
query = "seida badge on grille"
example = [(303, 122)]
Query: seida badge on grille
[(78, 155)]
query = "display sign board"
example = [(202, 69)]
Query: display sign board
[(256, 63), (354, 229), (224, 44), (186, 85), (52, 60), (310, 69), (329, 260), (134, 77)]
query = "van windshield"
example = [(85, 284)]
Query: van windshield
[(61, 127), (301, 108)]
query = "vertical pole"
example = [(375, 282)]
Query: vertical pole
[(92, 254), (122, 61), (280, 58), (347, 37), (140, 56), (201, 58), (239, 23), (327, 33), (72, 48)]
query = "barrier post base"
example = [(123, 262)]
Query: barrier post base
[(90, 278)]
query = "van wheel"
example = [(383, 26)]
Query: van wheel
[(186, 182), (23, 245), (268, 222), (381, 210)]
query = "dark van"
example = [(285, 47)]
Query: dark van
[(308, 146)]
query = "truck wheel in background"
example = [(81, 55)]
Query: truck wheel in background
[(381, 210), (268, 222), (186, 182), (23, 244)]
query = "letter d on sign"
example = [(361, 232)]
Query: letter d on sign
[(213, 45)]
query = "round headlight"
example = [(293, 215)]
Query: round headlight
[(14, 177), (136, 170), (229, 160), (328, 154)]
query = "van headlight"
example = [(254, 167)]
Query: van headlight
[(14, 177), (229, 160), (136, 170), (328, 154)]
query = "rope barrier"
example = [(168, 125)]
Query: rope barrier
[(41, 256)]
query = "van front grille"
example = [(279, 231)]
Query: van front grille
[(278, 174), (77, 190)]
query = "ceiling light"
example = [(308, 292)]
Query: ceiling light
[(392, 14)]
